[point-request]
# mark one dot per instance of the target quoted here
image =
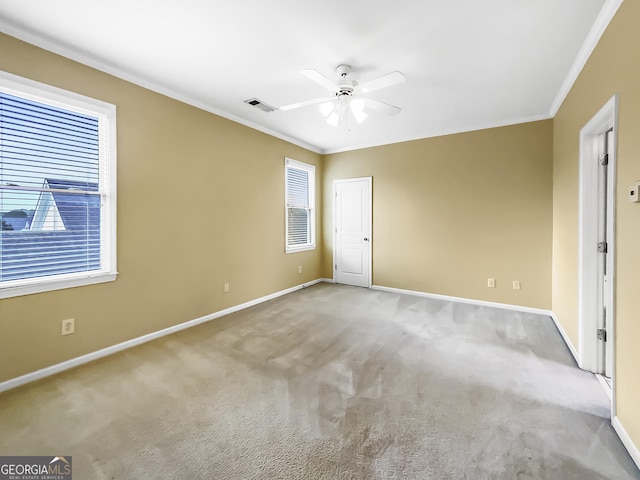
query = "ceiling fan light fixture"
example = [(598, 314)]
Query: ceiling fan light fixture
[(333, 119), (345, 105), (357, 105), (326, 108), (357, 109)]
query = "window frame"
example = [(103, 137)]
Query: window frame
[(311, 171), (106, 114)]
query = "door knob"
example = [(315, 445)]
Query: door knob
[(365, 239)]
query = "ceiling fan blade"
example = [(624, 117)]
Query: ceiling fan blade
[(320, 79), (384, 81), (304, 104), (381, 107)]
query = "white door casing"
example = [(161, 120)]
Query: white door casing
[(352, 232), (596, 278)]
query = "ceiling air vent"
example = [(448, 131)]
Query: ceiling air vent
[(260, 104)]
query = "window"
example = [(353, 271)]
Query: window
[(300, 199), (57, 188)]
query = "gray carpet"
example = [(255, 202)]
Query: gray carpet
[(331, 382)]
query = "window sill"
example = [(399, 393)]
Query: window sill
[(302, 248), (59, 284)]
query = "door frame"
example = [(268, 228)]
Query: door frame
[(335, 227), (588, 282)]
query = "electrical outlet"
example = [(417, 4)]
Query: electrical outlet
[(225, 289), (516, 285), (299, 268), (491, 282), (68, 326)]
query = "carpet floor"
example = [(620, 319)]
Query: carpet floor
[(330, 382)]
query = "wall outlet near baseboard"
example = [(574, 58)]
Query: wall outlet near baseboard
[(226, 288), (68, 326), (491, 282), (516, 285), (299, 268)]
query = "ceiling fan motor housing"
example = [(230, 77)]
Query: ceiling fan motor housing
[(344, 93), (343, 70), (345, 83)]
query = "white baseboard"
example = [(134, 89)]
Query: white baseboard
[(448, 298), (89, 357), (74, 362), (624, 436), (484, 303), (626, 440), (605, 386), (566, 339)]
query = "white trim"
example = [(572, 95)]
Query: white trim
[(588, 286), (72, 53), (303, 248), (86, 59), (603, 19), (603, 383), (482, 303), (299, 164), (106, 114), (59, 284), (311, 171), (615, 421), (59, 97), (110, 175), (626, 440), (89, 357), (566, 338), (441, 133)]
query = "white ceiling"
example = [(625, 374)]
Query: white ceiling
[(469, 64)]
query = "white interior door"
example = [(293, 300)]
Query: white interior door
[(352, 237)]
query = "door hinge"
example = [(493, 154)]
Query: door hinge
[(602, 247), (335, 266), (602, 334), (604, 159)]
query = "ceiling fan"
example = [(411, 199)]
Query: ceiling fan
[(346, 98)]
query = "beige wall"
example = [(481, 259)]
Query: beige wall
[(451, 211), (200, 203), (614, 67)]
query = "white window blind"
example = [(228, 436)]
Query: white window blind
[(55, 192), (300, 198)]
